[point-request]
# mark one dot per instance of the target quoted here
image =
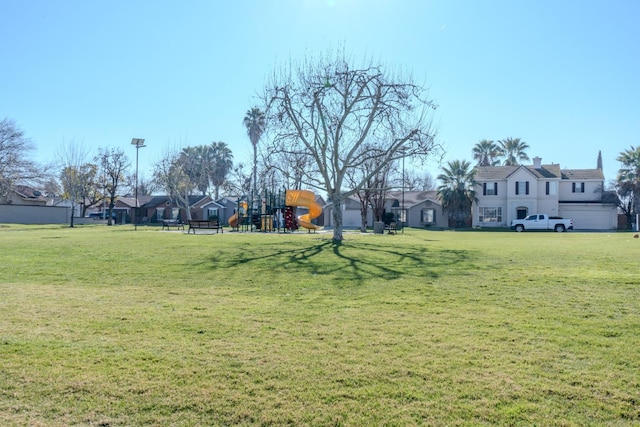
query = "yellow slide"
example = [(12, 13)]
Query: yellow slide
[(242, 210), (307, 199)]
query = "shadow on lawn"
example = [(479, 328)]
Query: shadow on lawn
[(354, 261)]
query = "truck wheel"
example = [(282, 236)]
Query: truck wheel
[(519, 228), (559, 228)]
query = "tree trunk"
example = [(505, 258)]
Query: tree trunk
[(183, 202), (73, 208), (255, 167), (111, 205), (363, 214), (337, 219)]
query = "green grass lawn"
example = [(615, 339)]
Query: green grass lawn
[(104, 326)]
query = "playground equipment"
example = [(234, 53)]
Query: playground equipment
[(235, 218), (304, 198), (275, 210)]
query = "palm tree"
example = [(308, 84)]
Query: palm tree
[(628, 180), (513, 150), (222, 159), (456, 191), (255, 123), (486, 152)]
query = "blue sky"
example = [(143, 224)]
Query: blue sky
[(561, 75)]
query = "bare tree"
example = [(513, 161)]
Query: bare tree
[(51, 188), (16, 166), (75, 174), (172, 174), (146, 186), (92, 189), (326, 109), (373, 192), (416, 181), (114, 164), (290, 168)]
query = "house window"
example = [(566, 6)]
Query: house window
[(551, 188), (160, 213), (402, 215), (212, 212), (489, 214), (428, 216), (175, 212), (490, 189), (577, 187), (522, 187)]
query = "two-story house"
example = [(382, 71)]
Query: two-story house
[(505, 193)]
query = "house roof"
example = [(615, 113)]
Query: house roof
[(208, 201), (487, 173), (553, 171), (27, 192), (162, 200), (412, 198), (131, 201), (582, 174)]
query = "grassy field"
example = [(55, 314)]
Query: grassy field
[(104, 326)]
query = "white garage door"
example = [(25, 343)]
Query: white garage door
[(592, 219)]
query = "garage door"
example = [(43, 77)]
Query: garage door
[(588, 219)]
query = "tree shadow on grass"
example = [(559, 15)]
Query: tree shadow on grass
[(341, 261)]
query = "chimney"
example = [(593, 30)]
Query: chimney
[(537, 162)]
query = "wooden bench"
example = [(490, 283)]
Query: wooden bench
[(168, 223), (195, 224)]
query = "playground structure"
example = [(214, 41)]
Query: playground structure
[(276, 212)]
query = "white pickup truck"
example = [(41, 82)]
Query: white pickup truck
[(542, 222)]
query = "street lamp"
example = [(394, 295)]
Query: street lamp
[(403, 211), (139, 143)]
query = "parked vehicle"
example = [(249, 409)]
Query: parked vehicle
[(542, 222), (101, 215)]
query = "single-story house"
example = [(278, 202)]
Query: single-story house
[(411, 208)]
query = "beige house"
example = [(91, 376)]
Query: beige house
[(26, 205), (506, 193), (25, 196), (413, 208)]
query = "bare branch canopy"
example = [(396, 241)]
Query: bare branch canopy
[(328, 110)]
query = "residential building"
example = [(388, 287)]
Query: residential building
[(25, 196), (164, 207), (26, 205), (413, 208), (505, 193)]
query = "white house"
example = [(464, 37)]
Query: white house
[(512, 192)]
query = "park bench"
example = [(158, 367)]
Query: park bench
[(195, 224), (168, 223)]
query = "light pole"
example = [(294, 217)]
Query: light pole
[(403, 212), (139, 143)]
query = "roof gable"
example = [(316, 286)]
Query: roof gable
[(211, 203), (520, 169)]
